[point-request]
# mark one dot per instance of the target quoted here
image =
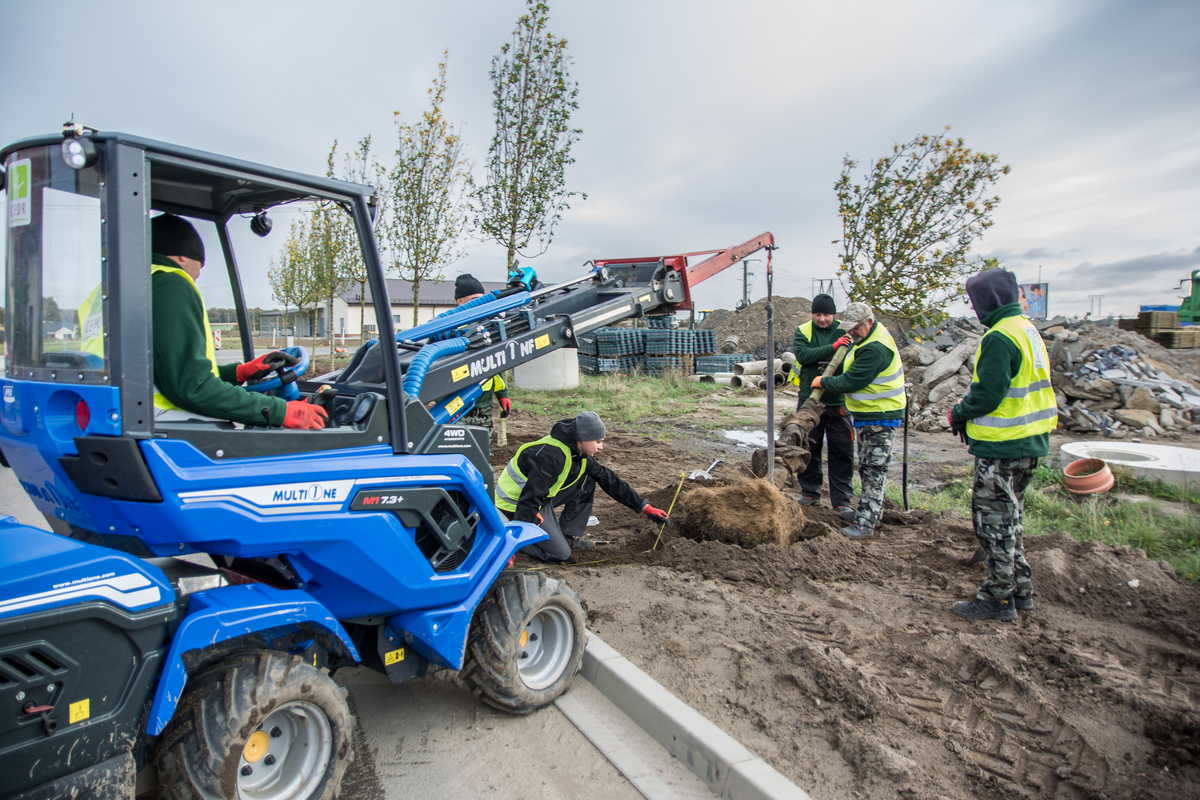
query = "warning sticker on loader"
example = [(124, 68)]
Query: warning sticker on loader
[(79, 710), (541, 341), (460, 373), (393, 656)]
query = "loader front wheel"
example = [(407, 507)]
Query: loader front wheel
[(526, 642), (261, 726)]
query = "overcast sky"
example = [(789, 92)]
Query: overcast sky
[(704, 123)]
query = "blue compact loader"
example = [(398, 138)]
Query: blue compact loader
[(203, 579)]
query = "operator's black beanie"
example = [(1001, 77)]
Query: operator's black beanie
[(991, 289), (466, 285), (823, 304), (174, 236)]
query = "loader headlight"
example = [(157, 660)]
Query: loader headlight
[(78, 152)]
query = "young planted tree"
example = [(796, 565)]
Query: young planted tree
[(908, 226), (291, 279), (533, 97), (428, 193), (360, 166)]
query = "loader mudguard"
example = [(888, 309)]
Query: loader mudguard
[(440, 634), (230, 612)]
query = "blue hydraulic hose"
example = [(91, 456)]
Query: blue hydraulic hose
[(461, 403), (414, 377)]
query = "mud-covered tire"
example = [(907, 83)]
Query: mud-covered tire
[(526, 642), (286, 721)]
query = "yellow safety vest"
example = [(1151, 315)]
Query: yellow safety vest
[(493, 384), (886, 390), (794, 373), (1029, 407), (512, 481), (210, 353)]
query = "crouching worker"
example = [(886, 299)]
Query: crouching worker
[(560, 471)]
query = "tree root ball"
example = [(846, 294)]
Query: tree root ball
[(747, 513)]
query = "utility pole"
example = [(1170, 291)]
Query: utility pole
[(824, 286), (746, 276)]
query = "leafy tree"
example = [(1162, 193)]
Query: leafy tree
[(533, 97), (908, 227), (428, 193)]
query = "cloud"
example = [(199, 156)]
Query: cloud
[(1120, 274), (1032, 254)]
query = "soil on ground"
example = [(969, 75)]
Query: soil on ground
[(841, 664)]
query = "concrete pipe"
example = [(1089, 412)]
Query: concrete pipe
[(756, 367), (780, 378), (730, 344), (788, 357), (722, 378), (738, 382)]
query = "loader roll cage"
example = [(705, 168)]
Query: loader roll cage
[(139, 175), (431, 374)]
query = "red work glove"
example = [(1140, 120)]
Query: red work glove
[(655, 513), (506, 407), (950, 418), (304, 415), (843, 341), (263, 365), (816, 382)]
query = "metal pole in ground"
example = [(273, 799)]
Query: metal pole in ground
[(770, 368)]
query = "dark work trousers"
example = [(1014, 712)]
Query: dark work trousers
[(837, 428), (565, 528)]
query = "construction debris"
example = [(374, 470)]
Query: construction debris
[(1107, 381)]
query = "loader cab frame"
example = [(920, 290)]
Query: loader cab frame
[(111, 191)]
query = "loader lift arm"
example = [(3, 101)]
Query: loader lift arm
[(476, 343)]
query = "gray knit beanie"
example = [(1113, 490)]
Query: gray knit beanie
[(589, 427)]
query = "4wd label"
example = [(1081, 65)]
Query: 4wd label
[(20, 193)]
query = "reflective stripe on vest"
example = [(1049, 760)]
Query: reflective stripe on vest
[(1029, 407), (512, 481), (885, 392), (160, 401)]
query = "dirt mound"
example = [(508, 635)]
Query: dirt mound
[(750, 324), (747, 513)]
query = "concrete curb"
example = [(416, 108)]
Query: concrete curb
[(729, 769)]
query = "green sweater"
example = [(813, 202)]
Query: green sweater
[(869, 361), (813, 356), (182, 372), (999, 362)]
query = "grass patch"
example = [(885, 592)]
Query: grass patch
[(621, 398), (1174, 538)]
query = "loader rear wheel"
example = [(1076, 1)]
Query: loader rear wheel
[(526, 642), (265, 726)]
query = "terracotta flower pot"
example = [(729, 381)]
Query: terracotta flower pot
[(1088, 476)]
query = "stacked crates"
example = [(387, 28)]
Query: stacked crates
[(655, 349), (722, 362)]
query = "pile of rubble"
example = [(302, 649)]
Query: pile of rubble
[(1107, 381)]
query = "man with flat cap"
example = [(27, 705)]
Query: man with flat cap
[(872, 383), (187, 380), (560, 471)]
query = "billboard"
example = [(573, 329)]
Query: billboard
[(1033, 299)]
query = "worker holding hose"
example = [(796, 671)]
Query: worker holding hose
[(872, 383), (560, 471), (466, 288)]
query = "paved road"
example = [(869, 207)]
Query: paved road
[(432, 739)]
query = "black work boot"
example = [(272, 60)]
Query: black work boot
[(809, 499), (986, 609), (855, 532), (1023, 602)]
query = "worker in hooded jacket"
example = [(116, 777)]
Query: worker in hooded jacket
[(561, 471), (1007, 417)]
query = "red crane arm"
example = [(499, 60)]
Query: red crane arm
[(727, 258)]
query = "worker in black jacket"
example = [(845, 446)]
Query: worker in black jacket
[(814, 344), (561, 470)]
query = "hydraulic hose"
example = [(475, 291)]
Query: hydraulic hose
[(414, 377), (455, 406)]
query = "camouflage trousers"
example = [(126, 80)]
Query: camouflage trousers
[(472, 418), (874, 455), (997, 501)]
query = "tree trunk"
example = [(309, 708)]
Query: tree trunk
[(416, 296)]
